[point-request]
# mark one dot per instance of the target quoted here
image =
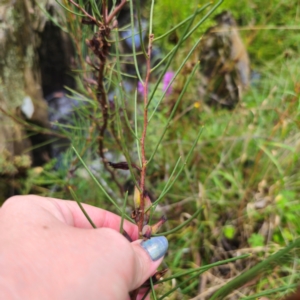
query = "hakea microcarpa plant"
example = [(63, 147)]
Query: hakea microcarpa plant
[(99, 45)]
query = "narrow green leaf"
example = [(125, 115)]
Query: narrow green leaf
[(98, 184), (255, 271), (182, 22), (72, 12), (81, 207), (173, 110), (181, 225)]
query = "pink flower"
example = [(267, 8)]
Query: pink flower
[(140, 88), (166, 80)]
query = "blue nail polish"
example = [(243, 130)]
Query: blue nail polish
[(156, 247)]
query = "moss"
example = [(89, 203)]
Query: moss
[(10, 165)]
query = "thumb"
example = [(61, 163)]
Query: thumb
[(148, 256)]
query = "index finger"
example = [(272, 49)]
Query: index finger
[(100, 217), (65, 211)]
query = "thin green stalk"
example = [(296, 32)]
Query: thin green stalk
[(133, 42), (99, 185), (190, 287), (72, 12), (81, 207), (113, 5), (255, 271), (182, 22), (122, 73), (175, 75), (273, 159), (171, 176), (271, 292), (173, 111), (124, 146), (138, 8), (136, 128), (205, 17), (183, 283), (36, 146), (162, 61), (170, 59), (52, 18), (181, 225), (110, 71), (124, 54), (80, 96), (95, 9), (154, 204), (151, 18), (205, 268), (152, 289), (121, 91), (186, 36), (181, 169)]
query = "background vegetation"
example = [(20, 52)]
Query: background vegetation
[(243, 172)]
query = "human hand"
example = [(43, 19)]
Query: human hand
[(50, 251)]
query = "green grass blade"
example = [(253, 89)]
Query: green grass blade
[(255, 271), (205, 268), (273, 159), (271, 292)]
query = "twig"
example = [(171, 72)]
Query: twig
[(115, 11), (143, 154), (85, 12)]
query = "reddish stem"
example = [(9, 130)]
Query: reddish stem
[(143, 154), (85, 12), (115, 11)]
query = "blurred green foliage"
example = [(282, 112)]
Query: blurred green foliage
[(274, 25)]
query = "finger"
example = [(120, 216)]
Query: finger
[(148, 255), (100, 217), (142, 293), (67, 212)]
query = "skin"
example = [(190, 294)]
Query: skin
[(50, 251)]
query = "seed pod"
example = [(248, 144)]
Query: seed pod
[(137, 198), (157, 226), (146, 232)]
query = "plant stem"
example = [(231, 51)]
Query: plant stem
[(85, 12), (143, 154)]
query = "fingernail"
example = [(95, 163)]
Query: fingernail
[(156, 247)]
